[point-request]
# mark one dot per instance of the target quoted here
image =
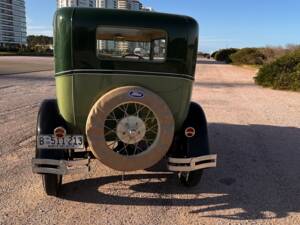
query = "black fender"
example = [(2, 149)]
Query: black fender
[(198, 145), (48, 119)]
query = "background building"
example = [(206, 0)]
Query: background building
[(128, 5), (147, 9), (108, 4), (124, 4), (12, 23), (136, 5), (76, 3), (107, 45)]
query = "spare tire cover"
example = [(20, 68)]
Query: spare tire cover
[(115, 102)]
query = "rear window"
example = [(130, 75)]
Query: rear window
[(138, 44)]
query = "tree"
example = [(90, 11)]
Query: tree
[(223, 55), (33, 40)]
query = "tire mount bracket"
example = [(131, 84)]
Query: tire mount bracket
[(192, 164)]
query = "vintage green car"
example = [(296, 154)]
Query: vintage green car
[(123, 83)]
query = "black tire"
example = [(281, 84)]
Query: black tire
[(198, 145), (52, 184), (192, 179), (48, 119)]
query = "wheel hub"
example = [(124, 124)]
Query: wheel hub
[(131, 130)]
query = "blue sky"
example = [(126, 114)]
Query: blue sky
[(230, 23)]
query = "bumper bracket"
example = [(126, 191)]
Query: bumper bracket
[(192, 164), (60, 167)]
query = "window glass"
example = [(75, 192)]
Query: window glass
[(138, 44)]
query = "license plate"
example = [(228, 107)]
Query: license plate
[(67, 142)]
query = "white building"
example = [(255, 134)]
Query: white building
[(147, 9), (130, 5), (124, 46), (12, 23), (76, 3), (136, 5), (123, 4), (108, 4)]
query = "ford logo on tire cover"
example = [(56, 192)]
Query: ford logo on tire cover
[(136, 94)]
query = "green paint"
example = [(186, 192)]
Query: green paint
[(88, 88), (75, 50)]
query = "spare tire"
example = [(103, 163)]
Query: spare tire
[(130, 128)]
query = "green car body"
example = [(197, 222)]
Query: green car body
[(82, 77)]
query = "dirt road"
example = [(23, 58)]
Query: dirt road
[(255, 131)]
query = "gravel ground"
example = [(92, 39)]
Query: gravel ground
[(255, 131)]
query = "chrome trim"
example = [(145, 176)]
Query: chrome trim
[(63, 167), (128, 72), (191, 164)]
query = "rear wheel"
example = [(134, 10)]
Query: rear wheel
[(190, 179), (48, 119), (192, 146), (51, 183)]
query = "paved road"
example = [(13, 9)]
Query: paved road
[(23, 64), (255, 131)]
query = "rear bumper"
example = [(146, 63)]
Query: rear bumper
[(192, 164), (60, 167)]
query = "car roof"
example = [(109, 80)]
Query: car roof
[(79, 25)]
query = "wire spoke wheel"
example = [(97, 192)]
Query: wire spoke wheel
[(130, 129)]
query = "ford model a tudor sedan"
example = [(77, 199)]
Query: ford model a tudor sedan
[(123, 83)]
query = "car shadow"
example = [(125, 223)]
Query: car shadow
[(258, 172)]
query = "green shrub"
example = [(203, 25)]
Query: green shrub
[(203, 55), (283, 73), (213, 55), (223, 55), (248, 56), (273, 53)]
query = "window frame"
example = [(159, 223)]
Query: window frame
[(128, 59)]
